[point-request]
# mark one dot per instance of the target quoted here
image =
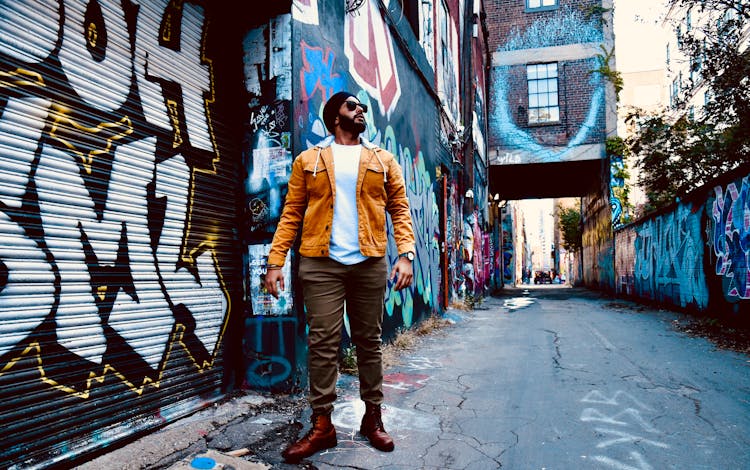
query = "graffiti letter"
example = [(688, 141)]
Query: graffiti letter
[(26, 284), (28, 41), (201, 294), (21, 126), (71, 226), (95, 52), (192, 76)]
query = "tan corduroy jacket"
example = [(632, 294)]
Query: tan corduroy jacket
[(309, 203)]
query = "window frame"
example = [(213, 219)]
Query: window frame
[(534, 84), (541, 6)]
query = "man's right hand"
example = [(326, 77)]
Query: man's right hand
[(274, 281)]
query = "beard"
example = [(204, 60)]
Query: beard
[(351, 125)]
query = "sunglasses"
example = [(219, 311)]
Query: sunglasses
[(352, 105)]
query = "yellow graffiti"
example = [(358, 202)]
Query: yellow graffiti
[(20, 78), (92, 35), (174, 116), (62, 122)]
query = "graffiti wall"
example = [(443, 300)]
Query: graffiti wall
[(693, 254), (117, 204), (357, 51), (598, 255), (292, 64)]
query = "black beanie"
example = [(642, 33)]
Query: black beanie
[(331, 109)]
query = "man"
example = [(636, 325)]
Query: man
[(339, 192)]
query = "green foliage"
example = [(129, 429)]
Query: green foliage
[(348, 361), (569, 221), (613, 76), (676, 152), (595, 11)]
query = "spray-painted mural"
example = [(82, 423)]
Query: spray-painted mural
[(695, 255), (369, 63), (110, 266), (335, 51), (508, 129), (616, 186), (669, 257), (729, 231), (508, 248)]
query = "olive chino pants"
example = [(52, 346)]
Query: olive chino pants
[(327, 286)]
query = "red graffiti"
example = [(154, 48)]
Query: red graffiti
[(403, 383), (369, 47)]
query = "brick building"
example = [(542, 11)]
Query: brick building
[(551, 109)]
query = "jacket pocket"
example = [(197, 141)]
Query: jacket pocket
[(317, 181), (374, 182)]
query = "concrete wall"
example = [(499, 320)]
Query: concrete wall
[(693, 254)]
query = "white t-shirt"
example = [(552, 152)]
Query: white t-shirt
[(344, 246)]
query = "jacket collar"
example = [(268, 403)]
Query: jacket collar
[(325, 143)]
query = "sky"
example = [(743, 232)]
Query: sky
[(640, 39)]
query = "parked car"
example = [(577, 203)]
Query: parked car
[(542, 277)]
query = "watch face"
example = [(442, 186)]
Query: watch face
[(409, 255)]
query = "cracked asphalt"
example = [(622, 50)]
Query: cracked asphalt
[(557, 378), (546, 377)]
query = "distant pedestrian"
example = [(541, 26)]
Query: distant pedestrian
[(339, 193)]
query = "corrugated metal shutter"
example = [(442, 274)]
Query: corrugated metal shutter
[(117, 203)]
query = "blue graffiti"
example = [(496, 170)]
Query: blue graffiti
[(318, 71), (669, 258), (566, 26), (731, 238), (426, 220), (616, 168), (514, 137)]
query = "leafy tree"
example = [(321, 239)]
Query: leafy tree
[(678, 151), (569, 220)]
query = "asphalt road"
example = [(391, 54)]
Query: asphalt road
[(555, 378)]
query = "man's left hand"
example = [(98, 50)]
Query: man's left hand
[(403, 273)]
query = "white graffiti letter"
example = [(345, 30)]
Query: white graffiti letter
[(183, 67), (68, 215), (27, 284), (23, 38), (101, 81), (203, 295), (20, 129)]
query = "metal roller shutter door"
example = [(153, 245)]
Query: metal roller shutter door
[(116, 223)]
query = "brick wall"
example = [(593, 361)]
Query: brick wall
[(503, 15)]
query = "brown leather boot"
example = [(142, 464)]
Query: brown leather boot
[(321, 436), (372, 428)]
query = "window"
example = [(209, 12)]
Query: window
[(668, 55), (540, 4), (675, 92), (543, 102)]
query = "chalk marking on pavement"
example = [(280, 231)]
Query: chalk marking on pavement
[(348, 415), (607, 345), (595, 396), (624, 438), (592, 414), (642, 464)]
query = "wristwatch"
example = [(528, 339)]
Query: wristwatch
[(408, 255)]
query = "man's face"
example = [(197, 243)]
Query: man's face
[(352, 116)]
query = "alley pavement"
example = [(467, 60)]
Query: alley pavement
[(542, 377)]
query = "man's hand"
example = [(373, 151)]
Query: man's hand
[(403, 270), (274, 277)]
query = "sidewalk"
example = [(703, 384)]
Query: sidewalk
[(248, 431), (245, 432)]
